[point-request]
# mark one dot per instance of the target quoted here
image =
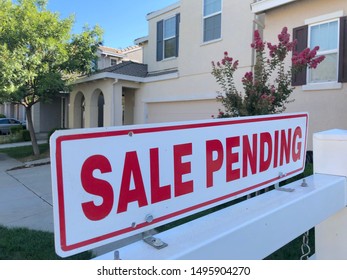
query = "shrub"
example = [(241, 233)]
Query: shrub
[(16, 129), (26, 135), (2, 116), (51, 132)]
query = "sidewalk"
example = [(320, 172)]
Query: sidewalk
[(26, 197), (20, 144), (25, 193)]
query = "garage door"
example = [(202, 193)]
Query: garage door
[(181, 111)]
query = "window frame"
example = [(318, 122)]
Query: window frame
[(113, 62), (319, 52), (169, 38), (205, 17), (301, 33), (160, 44)]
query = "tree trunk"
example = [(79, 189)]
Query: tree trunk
[(30, 127)]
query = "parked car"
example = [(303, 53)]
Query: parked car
[(6, 123)]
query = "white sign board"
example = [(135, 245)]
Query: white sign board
[(111, 183)]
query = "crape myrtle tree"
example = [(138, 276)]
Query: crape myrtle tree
[(39, 56), (267, 88)]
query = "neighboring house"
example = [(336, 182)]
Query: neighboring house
[(110, 56), (321, 92), (174, 82), (48, 116)]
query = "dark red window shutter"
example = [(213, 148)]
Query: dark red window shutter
[(343, 51), (301, 35)]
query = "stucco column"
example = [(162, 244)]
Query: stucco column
[(117, 104)]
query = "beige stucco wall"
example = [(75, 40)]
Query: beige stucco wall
[(91, 92), (135, 54), (112, 90), (327, 108), (195, 82), (150, 52)]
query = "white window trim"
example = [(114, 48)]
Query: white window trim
[(168, 38), (326, 17), (322, 86), (318, 21), (208, 16)]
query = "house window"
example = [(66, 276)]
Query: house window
[(331, 36), (168, 37), (325, 35), (113, 62), (212, 17)]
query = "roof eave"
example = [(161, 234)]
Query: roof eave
[(163, 11), (109, 75), (265, 5)]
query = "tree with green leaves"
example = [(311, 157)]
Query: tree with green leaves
[(39, 56)]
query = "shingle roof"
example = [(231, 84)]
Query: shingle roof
[(129, 68)]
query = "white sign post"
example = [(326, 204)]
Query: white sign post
[(112, 183)]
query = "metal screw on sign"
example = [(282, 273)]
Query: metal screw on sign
[(304, 184), (149, 218), (116, 255), (305, 248)]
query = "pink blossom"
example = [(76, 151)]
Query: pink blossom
[(284, 37), (248, 77), (307, 57), (258, 43), (272, 89), (273, 49)]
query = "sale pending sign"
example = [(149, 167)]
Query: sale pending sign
[(111, 183)]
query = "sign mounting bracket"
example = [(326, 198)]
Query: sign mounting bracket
[(153, 241)]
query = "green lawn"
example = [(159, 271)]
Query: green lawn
[(25, 153), (25, 244)]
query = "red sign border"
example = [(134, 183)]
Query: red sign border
[(60, 184)]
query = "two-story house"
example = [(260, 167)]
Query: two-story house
[(174, 82), (321, 92)]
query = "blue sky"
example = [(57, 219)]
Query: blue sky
[(123, 21)]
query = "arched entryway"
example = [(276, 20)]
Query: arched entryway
[(79, 111), (97, 111), (101, 103)]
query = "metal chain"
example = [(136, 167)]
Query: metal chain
[(305, 247)]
